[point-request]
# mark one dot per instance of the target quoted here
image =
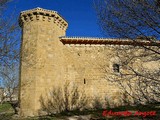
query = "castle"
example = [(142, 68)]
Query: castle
[(49, 59)]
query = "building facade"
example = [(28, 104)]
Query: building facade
[(50, 59)]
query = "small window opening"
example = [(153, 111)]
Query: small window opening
[(84, 81), (116, 67)]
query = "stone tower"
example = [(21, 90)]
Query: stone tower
[(40, 56)]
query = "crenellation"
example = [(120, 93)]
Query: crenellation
[(42, 15)]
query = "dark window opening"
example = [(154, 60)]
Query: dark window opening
[(84, 81), (116, 67)]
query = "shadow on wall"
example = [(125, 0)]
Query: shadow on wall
[(60, 99), (70, 98)]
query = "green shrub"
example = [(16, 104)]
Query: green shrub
[(5, 107)]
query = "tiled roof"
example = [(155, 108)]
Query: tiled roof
[(104, 41)]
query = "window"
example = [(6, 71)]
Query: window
[(84, 81), (116, 68)]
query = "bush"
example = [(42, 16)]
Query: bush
[(66, 98)]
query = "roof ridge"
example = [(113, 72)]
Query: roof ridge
[(116, 41), (96, 38)]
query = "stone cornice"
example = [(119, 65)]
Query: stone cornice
[(105, 41), (42, 15)]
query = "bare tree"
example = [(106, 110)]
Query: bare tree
[(137, 74), (9, 48), (10, 79), (64, 99), (9, 43), (129, 18), (2, 95), (138, 71)]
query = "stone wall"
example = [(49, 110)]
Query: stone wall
[(85, 66)]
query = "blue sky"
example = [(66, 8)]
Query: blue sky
[(80, 14)]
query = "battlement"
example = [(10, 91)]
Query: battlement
[(40, 14)]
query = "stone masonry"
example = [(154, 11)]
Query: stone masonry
[(49, 59)]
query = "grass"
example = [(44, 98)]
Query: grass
[(5, 107), (7, 113)]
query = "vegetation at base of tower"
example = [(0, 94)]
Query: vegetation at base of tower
[(7, 113), (136, 20), (9, 52), (64, 98), (68, 99)]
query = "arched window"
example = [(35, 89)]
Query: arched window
[(116, 67)]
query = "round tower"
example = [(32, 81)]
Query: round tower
[(41, 52)]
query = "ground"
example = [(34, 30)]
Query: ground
[(7, 113)]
